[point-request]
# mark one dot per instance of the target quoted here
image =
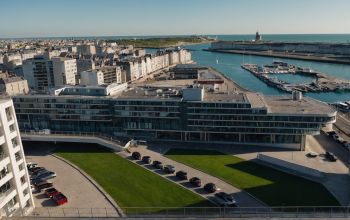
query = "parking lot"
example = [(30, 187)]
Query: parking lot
[(243, 198), (80, 192)]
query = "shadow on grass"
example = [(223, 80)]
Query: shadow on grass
[(43, 148), (295, 190)]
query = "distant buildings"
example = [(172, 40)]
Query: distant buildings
[(14, 86), (91, 78), (64, 71), (138, 67), (86, 49), (39, 73), (15, 193), (110, 73), (84, 64)]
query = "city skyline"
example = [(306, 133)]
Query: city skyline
[(64, 18)]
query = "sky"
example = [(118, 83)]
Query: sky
[(60, 18)]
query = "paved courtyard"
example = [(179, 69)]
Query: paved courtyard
[(81, 193)]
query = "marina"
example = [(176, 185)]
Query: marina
[(322, 82)]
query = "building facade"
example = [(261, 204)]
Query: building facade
[(15, 192), (180, 115), (91, 78), (64, 71), (13, 86), (39, 73)]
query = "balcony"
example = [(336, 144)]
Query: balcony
[(4, 160), (5, 177), (6, 193), (2, 140)]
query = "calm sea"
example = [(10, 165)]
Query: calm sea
[(230, 64)]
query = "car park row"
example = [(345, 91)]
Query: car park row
[(42, 180), (220, 198), (335, 136)]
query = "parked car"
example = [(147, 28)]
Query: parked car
[(40, 172), (51, 192), (60, 199), (335, 137), (331, 133), (46, 176), (34, 170), (196, 181), (169, 169), (136, 155), (181, 174), (346, 144), (147, 159), (330, 156), (42, 185), (158, 164), (31, 165), (225, 199), (210, 187), (311, 154)]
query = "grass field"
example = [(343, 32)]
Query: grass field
[(159, 42), (129, 184), (273, 187)]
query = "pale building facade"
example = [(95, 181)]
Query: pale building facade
[(15, 193), (64, 71)]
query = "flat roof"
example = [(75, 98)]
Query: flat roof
[(286, 105)]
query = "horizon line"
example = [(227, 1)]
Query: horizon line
[(164, 35)]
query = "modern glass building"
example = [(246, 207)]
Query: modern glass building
[(175, 114)]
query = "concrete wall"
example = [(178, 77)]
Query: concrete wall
[(290, 166)]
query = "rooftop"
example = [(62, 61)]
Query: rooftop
[(286, 105)]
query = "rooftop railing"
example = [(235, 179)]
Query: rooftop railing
[(72, 133), (198, 212)]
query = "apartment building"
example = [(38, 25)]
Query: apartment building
[(15, 193), (110, 73), (138, 67), (182, 114), (85, 64), (91, 78), (13, 85), (39, 73), (86, 49), (64, 71)]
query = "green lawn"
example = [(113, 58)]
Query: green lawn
[(129, 184), (159, 42), (273, 187)]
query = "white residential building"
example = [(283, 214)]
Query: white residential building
[(15, 193), (91, 78), (14, 86), (64, 71)]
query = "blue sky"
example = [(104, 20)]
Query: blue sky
[(43, 18)]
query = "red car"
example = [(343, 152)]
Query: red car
[(60, 199), (51, 192)]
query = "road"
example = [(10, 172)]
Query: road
[(243, 198)]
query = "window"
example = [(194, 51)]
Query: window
[(18, 156), (20, 167), (14, 141), (23, 180), (12, 128)]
